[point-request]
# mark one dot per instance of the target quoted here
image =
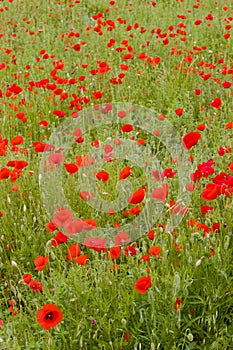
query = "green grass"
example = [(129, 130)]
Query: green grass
[(100, 305)]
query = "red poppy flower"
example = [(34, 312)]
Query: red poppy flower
[(201, 127), (198, 22), (216, 227), (17, 140), (82, 260), (230, 167), (95, 143), (155, 251), (174, 207), (125, 173), (134, 211), (203, 227), (77, 47), (59, 239), (40, 262), (197, 92), (107, 148), (127, 56), (115, 252), (27, 277), (15, 174), (102, 176), (206, 208), (97, 94), (15, 89), (143, 284), (127, 128), (209, 17), (41, 146), (73, 251), (151, 234), (3, 146), (191, 139), (35, 286), (17, 164), (130, 250), (51, 227), (216, 103), (157, 175), (177, 304), (137, 196), (77, 133), (226, 35), (146, 257), (59, 114), (4, 173), (226, 84), (211, 192), (43, 123), (179, 111), (169, 173), (141, 142), (49, 316), (71, 168), (229, 126)]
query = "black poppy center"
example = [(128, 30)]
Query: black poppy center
[(49, 316)]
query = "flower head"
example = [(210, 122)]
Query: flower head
[(143, 284), (49, 316), (40, 262)]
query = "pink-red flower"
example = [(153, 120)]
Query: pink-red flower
[(121, 238), (160, 193), (62, 217), (96, 243)]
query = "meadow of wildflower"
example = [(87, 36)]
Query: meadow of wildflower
[(116, 174)]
